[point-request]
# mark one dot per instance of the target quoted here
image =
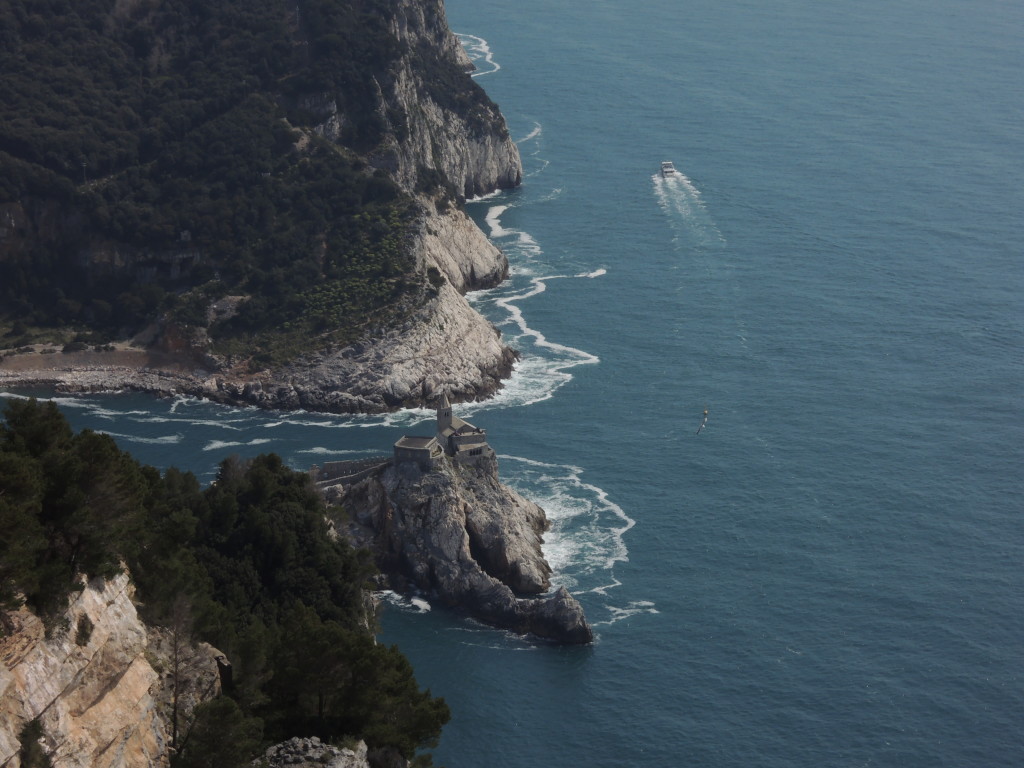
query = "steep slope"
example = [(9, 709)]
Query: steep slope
[(269, 183), (99, 699)]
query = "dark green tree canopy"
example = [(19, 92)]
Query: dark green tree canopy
[(246, 564), (154, 150)]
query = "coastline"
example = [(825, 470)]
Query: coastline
[(445, 345), (454, 350)]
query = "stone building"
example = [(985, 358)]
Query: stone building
[(455, 438)]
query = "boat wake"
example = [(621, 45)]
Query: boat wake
[(688, 215)]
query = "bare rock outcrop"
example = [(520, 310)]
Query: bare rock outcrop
[(450, 242), (445, 346), (469, 143), (313, 753), (92, 685), (457, 533)]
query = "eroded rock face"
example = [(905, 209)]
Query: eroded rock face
[(471, 146), (457, 533), (99, 699), (455, 246), (446, 346)]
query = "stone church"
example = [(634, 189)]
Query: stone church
[(455, 438)]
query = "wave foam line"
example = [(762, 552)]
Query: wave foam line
[(413, 604), (325, 451), (487, 196), (216, 445), (634, 608), (163, 440), (588, 531), (478, 49), (536, 377), (525, 242), (682, 203), (90, 406), (530, 148), (535, 133), (544, 365)]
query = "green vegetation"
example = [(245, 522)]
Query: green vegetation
[(246, 564), (163, 157), (32, 754)]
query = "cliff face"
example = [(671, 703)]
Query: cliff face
[(459, 534), (470, 146), (99, 700), (449, 347)]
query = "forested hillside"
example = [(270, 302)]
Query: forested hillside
[(157, 155), (246, 564)]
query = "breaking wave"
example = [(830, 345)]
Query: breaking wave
[(217, 445), (587, 535), (479, 53)]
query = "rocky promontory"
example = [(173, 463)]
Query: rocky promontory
[(444, 345), (455, 532)]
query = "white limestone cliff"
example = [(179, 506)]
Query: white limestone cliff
[(99, 699), (473, 150)]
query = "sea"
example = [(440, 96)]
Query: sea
[(772, 405)]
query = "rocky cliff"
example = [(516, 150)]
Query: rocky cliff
[(447, 345), (470, 144), (312, 753), (457, 533), (99, 686)]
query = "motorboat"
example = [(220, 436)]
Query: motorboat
[(667, 169)]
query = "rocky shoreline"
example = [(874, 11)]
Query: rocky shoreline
[(444, 346), (459, 535)]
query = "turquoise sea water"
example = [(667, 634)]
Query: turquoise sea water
[(830, 573)]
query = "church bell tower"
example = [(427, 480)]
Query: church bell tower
[(444, 414)]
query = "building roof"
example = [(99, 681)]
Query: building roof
[(413, 441)]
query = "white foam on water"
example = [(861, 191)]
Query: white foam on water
[(422, 605), (530, 148), (181, 400), (217, 445), (535, 133), (226, 424), (488, 196), (324, 451), (479, 53), (493, 221), (412, 604), (162, 440), (688, 215), (587, 535), (545, 364), (634, 608)]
